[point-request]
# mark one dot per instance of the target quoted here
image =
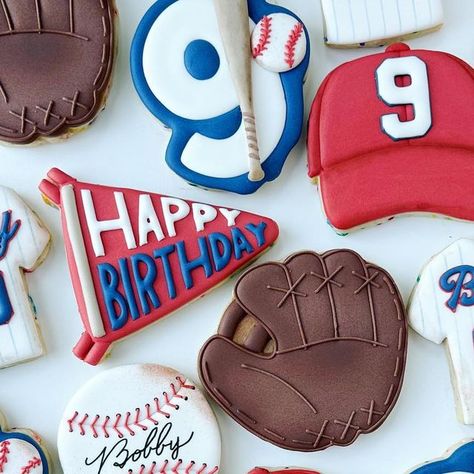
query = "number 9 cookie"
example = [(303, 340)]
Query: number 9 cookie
[(56, 60)]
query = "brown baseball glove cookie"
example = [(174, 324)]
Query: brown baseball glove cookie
[(311, 352), (56, 60)]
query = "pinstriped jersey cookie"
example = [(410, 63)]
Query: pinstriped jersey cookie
[(24, 242), (321, 359), (139, 419), (55, 60), (441, 310)]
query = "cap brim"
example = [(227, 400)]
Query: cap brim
[(388, 182)]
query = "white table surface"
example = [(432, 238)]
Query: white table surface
[(125, 147)]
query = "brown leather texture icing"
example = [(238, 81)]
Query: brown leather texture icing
[(338, 333), (56, 59)]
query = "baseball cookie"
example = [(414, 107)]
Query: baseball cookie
[(21, 452), (358, 23), (136, 257), (56, 61), (407, 145), (311, 352), (458, 460), (286, 470), (441, 309), (186, 74), (139, 419), (24, 244)]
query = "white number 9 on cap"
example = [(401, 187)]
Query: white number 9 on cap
[(416, 94)]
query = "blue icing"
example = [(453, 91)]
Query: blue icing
[(462, 460), (226, 125), (5, 436), (201, 60)]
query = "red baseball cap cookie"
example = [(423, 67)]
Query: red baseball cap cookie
[(56, 60), (391, 133), (311, 352), (136, 257)]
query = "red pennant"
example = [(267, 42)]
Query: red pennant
[(136, 257)]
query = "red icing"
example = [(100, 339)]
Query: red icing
[(34, 463), (260, 470), (92, 349), (4, 452), (364, 174), (265, 34), (290, 45)]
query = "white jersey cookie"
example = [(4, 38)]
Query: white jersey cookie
[(358, 23), (139, 419), (24, 242), (441, 309)]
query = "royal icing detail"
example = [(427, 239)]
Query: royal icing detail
[(402, 121), (21, 452), (279, 42), (459, 460), (160, 423), (323, 314), (357, 22), (136, 257), (189, 88), (57, 64), (24, 242), (261, 470), (441, 310)]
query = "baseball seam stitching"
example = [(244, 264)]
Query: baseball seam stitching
[(265, 35), (179, 466), (290, 46), (32, 464), (4, 451), (125, 422)]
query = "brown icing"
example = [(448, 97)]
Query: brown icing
[(339, 340), (56, 60)]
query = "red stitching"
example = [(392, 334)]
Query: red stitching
[(4, 451), (125, 422), (265, 35), (167, 468), (290, 45), (35, 462)]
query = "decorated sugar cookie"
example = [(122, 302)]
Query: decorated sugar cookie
[(321, 358), (225, 114), (408, 146), (459, 460), (358, 23), (136, 256), (56, 61), (160, 423), (21, 452), (287, 470), (24, 243), (441, 310)]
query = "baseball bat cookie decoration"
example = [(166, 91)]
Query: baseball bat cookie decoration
[(228, 82), (56, 62), (160, 423), (458, 460), (441, 310), (136, 257), (22, 451), (311, 352), (24, 244), (233, 20)]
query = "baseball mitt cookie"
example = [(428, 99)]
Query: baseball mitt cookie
[(55, 66), (311, 352)]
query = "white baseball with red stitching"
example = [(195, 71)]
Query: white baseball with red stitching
[(19, 457), (139, 419), (279, 42)]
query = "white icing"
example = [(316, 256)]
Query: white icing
[(172, 216), (148, 220), (187, 97), (274, 55), (22, 457), (96, 227), (417, 94), (74, 230), (230, 215), (130, 389), (19, 338), (431, 318), (362, 21), (203, 214)]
